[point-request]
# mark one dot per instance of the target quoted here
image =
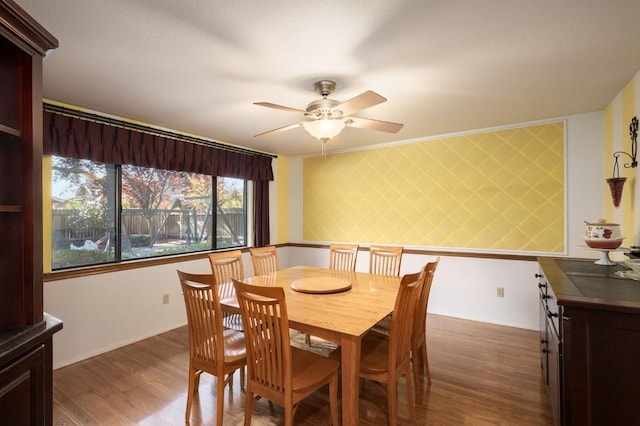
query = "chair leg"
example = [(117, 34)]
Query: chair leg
[(288, 415), (220, 383), (242, 378), (249, 408), (197, 381), (410, 398), (415, 366), (333, 400), (190, 391), (392, 396), (425, 359)]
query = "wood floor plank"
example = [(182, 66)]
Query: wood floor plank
[(482, 374)]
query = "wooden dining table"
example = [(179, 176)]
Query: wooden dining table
[(338, 306)]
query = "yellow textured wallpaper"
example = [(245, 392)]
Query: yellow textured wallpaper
[(501, 190)]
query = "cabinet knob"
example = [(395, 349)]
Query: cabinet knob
[(552, 314), (545, 351), (542, 285), (539, 275), (543, 341)]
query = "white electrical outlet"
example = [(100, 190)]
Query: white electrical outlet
[(500, 292), (165, 299)]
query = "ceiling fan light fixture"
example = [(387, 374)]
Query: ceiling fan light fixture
[(325, 128)]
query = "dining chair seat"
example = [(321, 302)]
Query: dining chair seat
[(307, 370), (234, 348), (374, 355)]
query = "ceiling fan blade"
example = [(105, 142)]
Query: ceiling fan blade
[(381, 126), (360, 102), (281, 107), (278, 130)]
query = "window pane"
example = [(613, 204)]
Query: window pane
[(165, 212), (231, 214), (83, 213)]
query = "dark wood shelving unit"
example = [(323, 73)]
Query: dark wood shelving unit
[(26, 332)]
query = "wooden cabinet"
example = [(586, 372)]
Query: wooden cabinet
[(598, 343), (25, 330), (26, 387), (551, 346)]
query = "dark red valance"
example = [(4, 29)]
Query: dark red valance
[(77, 138)]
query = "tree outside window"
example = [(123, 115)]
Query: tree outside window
[(162, 212)]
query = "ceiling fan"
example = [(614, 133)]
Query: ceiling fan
[(328, 117)]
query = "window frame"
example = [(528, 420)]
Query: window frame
[(118, 263)]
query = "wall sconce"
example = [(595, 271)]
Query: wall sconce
[(616, 182)]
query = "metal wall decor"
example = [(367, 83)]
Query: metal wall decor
[(616, 182)]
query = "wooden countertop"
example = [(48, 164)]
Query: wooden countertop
[(580, 282)]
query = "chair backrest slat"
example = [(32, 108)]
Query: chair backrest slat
[(266, 328), (385, 260), (343, 256), (420, 319), (264, 259), (402, 320), (226, 266), (204, 316)]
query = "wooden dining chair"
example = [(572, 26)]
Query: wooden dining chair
[(384, 360), (264, 260), (342, 257), (212, 348), (419, 356), (225, 266), (275, 370), (385, 260)]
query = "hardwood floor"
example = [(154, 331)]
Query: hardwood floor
[(482, 374)]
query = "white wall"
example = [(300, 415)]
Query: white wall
[(585, 178), (462, 287), (103, 312), (107, 311)]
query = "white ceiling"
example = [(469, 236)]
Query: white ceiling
[(445, 66)]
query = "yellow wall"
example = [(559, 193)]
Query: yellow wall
[(501, 190), (618, 115)]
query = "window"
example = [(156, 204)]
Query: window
[(162, 212)]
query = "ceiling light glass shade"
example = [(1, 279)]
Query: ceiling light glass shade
[(324, 129)]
